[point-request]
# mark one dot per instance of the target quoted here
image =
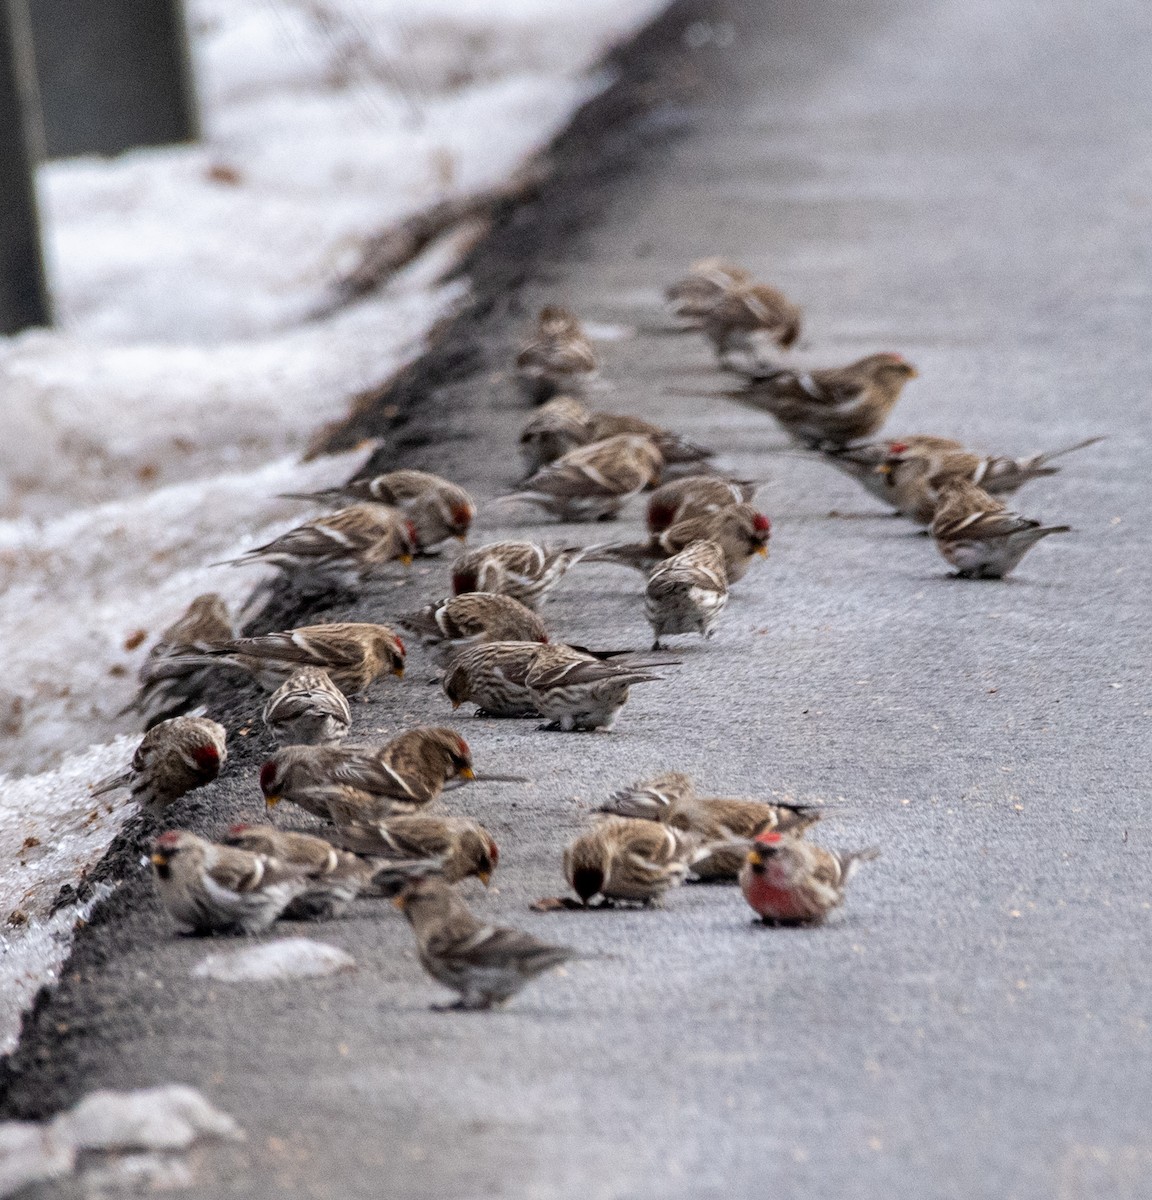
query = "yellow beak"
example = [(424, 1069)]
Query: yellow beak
[(399, 902), (754, 858), (483, 876), (467, 773), (159, 860), (762, 551), (398, 672), (460, 537), (884, 469), (456, 703), (271, 801)]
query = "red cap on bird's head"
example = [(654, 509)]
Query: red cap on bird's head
[(169, 840), (207, 756), (769, 838), (761, 523), (897, 447)]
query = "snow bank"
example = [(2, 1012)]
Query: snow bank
[(147, 434)]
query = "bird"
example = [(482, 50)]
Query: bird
[(723, 821), (354, 654), (458, 846), (739, 530), (687, 592), (458, 622), (831, 407), (165, 691), (219, 889), (593, 482), (558, 359), (863, 461), (707, 282), (747, 315), (574, 690), (523, 570), (437, 508), (494, 677), (335, 877), (623, 859), (339, 551), (913, 477), (554, 428), (356, 783), (308, 709), (694, 496), (563, 424), (978, 535), (486, 965), (175, 757), (789, 881)]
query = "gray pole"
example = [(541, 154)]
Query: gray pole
[(23, 292), (113, 74)]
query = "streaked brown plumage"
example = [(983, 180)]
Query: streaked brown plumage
[(335, 877), (694, 496), (494, 677), (789, 881), (457, 622), (831, 407), (218, 889), (558, 359), (174, 758), (592, 482), (621, 859), (459, 846), (553, 429), (353, 784), (707, 282), (739, 530), (574, 690), (863, 461), (354, 654), (721, 821), (523, 570), (978, 535), (339, 551), (486, 965), (687, 592), (166, 691), (747, 313), (437, 508), (308, 709)]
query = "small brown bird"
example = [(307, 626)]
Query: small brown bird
[(707, 282), (335, 877), (621, 859), (914, 477), (694, 496), (725, 822), (978, 535), (864, 460), (554, 428), (558, 360), (436, 508), (353, 784), (458, 622), (739, 530), (459, 847), (493, 676), (218, 889), (485, 965), (831, 407), (337, 552), (746, 317), (176, 757), (788, 881), (522, 570), (674, 449), (687, 592), (593, 482), (354, 655), (575, 690), (165, 692), (308, 709)]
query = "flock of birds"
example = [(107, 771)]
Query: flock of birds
[(377, 828)]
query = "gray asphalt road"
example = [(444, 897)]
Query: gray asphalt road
[(969, 184)]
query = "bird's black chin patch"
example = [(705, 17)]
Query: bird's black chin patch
[(587, 881), (164, 871)]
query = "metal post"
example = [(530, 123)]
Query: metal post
[(113, 74), (23, 292)]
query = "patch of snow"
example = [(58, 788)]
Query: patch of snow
[(286, 958)]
